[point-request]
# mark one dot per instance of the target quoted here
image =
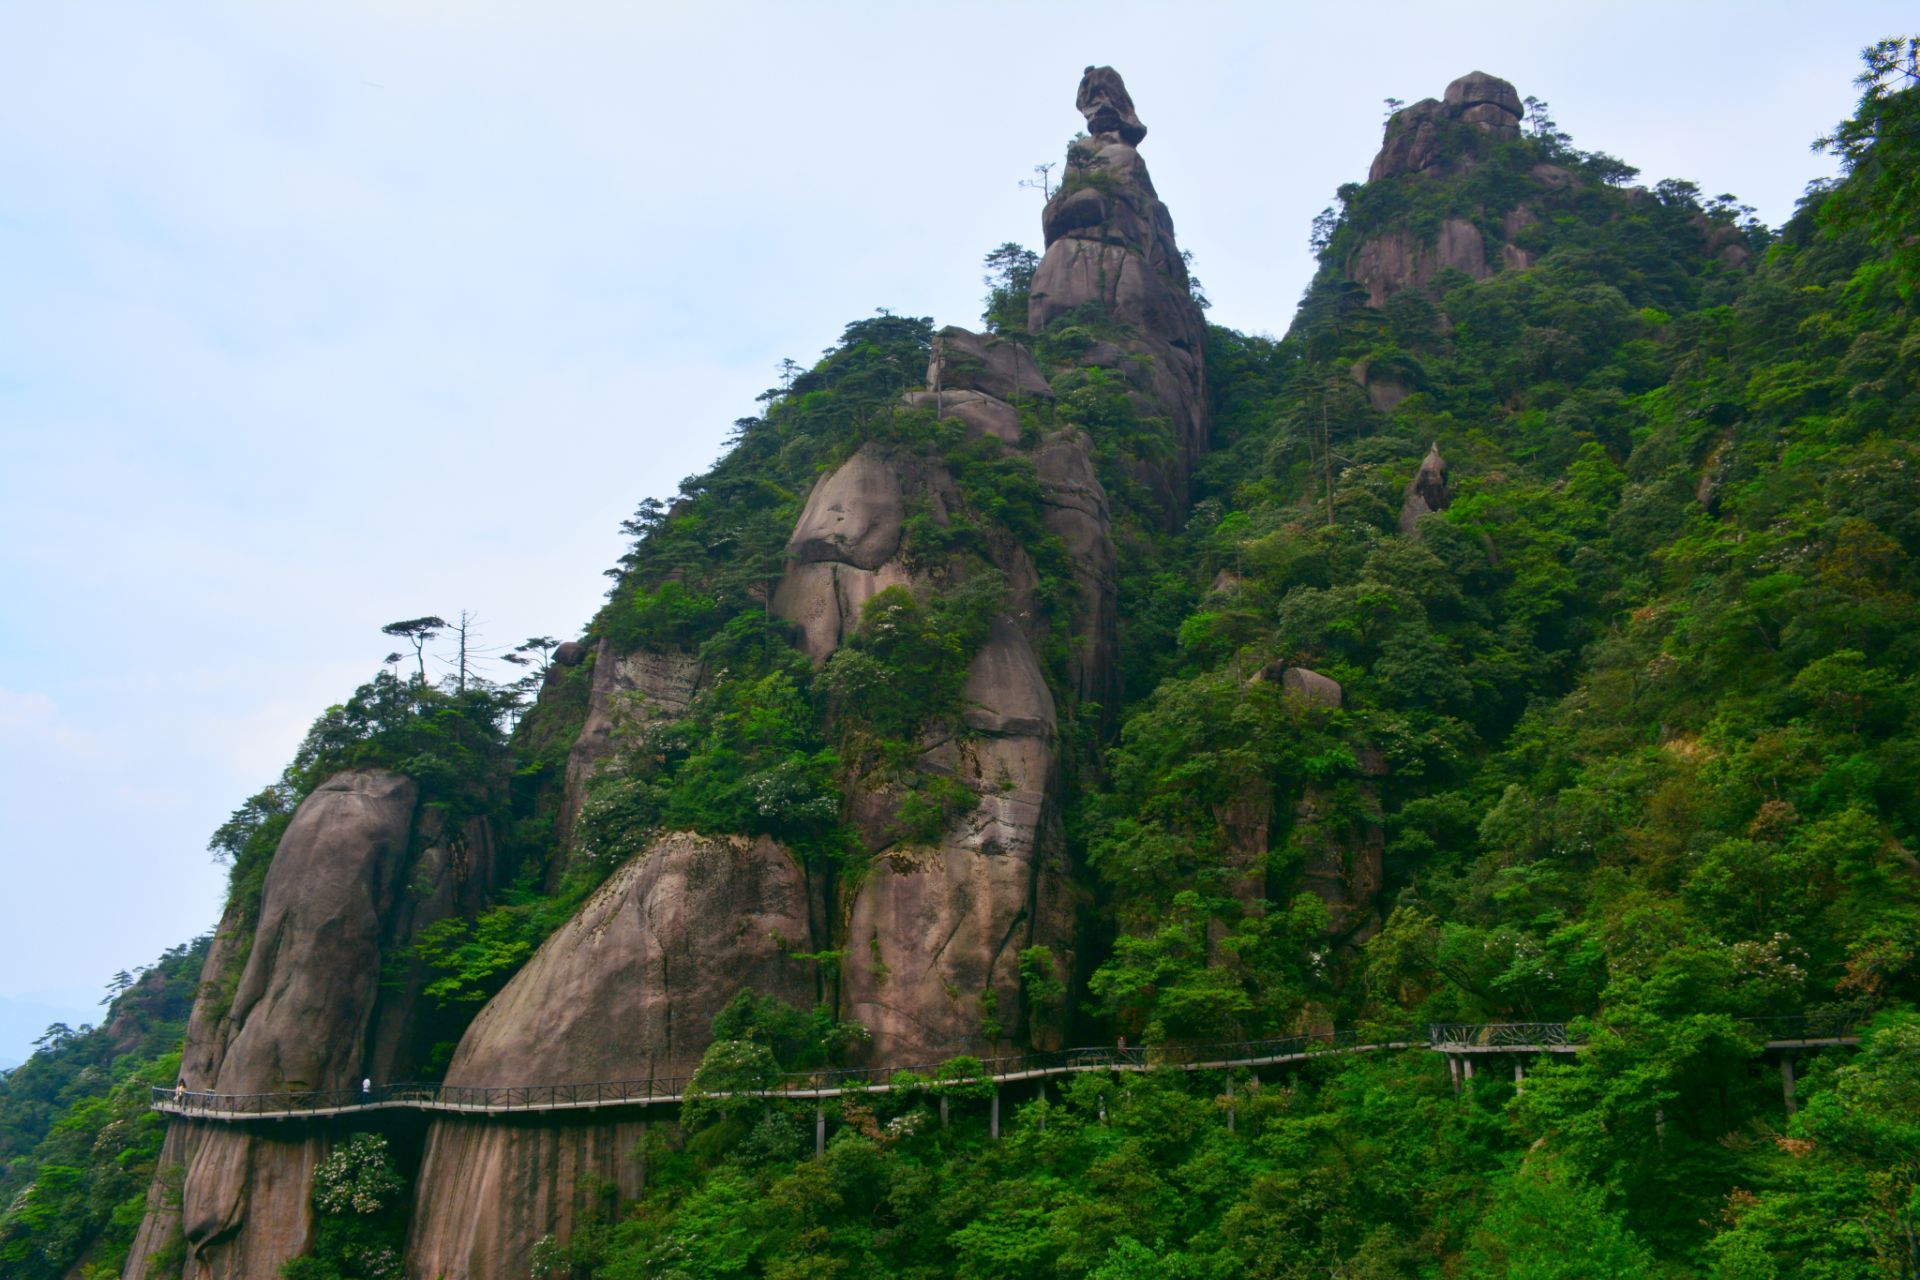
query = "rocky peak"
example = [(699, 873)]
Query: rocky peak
[(1104, 101), (1431, 139), (1413, 136), (1485, 100), (1110, 242)]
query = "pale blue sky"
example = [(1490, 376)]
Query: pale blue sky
[(313, 316)]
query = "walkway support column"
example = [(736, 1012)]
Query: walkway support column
[(1786, 1082), (1453, 1069), (993, 1115), (943, 1111), (819, 1128)]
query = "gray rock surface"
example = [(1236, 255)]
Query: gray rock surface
[(489, 1188), (1413, 146), (998, 367), (658, 949), (1077, 513), (1104, 101), (1477, 88), (1110, 241), (358, 873), (629, 691), (853, 515), (1396, 260), (246, 1201), (626, 990), (457, 871), (934, 931), (1303, 684), (1427, 492), (824, 600), (980, 413), (1311, 687), (1005, 693), (1384, 386), (300, 1015), (1412, 142)]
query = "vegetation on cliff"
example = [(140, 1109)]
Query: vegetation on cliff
[(1534, 642)]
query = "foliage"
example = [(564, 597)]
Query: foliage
[(359, 1206), (78, 1144), (1364, 1167), (1009, 281), (1624, 734), (1879, 148)]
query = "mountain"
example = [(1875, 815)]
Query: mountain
[(24, 1019), (1523, 638)]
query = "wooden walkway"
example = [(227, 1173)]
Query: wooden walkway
[(1461, 1043)]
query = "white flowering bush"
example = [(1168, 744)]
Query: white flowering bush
[(728, 1069), (357, 1178)]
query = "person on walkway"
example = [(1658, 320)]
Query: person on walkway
[(366, 1089), (180, 1093)]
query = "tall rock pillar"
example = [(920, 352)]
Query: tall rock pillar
[(1112, 258)]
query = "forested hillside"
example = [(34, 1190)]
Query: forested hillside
[(1528, 635)]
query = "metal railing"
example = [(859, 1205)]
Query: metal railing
[(1815, 1027), (1497, 1035), (951, 1075)]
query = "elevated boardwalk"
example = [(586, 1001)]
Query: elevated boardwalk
[(1461, 1043)]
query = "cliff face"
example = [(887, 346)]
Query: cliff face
[(930, 932), (853, 735), (1110, 247), (626, 990), (930, 935), (297, 1003), (1432, 140)]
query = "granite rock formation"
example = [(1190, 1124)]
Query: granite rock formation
[(626, 990), (1422, 141), (1111, 251), (1426, 493), (357, 874), (1415, 134), (629, 691), (930, 935)]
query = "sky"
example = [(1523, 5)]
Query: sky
[(318, 315)]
